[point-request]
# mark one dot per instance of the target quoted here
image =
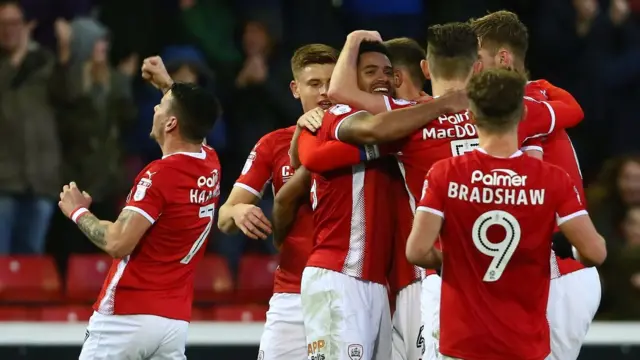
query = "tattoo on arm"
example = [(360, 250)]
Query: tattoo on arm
[(90, 225), (96, 230)]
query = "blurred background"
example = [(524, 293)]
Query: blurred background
[(73, 107)]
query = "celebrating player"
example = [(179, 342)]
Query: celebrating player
[(407, 57), (283, 336), (353, 231), (501, 209), (144, 308), (575, 290), (450, 61)]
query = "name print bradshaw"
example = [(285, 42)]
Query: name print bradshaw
[(500, 186)]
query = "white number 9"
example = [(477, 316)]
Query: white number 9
[(502, 251)]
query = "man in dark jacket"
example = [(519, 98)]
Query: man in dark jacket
[(29, 144)]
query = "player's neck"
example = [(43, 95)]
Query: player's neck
[(499, 145), (441, 87), (172, 146), (408, 92)]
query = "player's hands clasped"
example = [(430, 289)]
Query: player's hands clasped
[(71, 198), (251, 221), (311, 120), (154, 71)]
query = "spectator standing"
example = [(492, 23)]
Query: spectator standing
[(97, 104), (29, 143)]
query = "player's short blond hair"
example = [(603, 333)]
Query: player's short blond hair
[(502, 29), (495, 99), (312, 54)]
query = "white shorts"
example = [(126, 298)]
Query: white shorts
[(134, 337), (408, 337), (345, 318), (283, 336), (573, 301), (430, 311)]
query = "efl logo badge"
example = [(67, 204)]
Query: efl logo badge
[(355, 351), (261, 355)]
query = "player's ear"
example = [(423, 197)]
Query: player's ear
[(397, 78), (293, 85), (478, 67), (424, 65), (171, 124), (505, 58)]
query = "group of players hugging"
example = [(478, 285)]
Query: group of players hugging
[(410, 226)]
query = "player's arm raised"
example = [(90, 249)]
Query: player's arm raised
[(118, 238), (240, 212), (287, 202), (364, 128), (344, 80), (427, 222), (576, 225)]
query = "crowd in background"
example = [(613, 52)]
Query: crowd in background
[(73, 106)]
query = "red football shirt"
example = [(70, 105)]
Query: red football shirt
[(269, 160), (353, 229), (499, 215), (448, 135), (178, 194), (555, 145)]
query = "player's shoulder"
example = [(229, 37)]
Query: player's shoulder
[(442, 166), (280, 134), (341, 111), (534, 90)]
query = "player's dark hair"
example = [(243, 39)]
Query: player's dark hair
[(373, 46), (452, 49), (407, 53), (502, 29), (495, 99), (196, 110), (313, 54)]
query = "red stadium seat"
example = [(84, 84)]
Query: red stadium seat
[(29, 279), (199, 314), (245, 313), (66, 313), (17, 313), (85, 276), (213, 281), (255, 280)]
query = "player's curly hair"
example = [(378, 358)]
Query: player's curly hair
[(407, 53), (502, 29), (373, 46), (495, 99), (452, 49), (313, 54)]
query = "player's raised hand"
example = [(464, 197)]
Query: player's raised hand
[(311, 120), (154, 71), (251, 221), (71, 198), (364, 35)]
